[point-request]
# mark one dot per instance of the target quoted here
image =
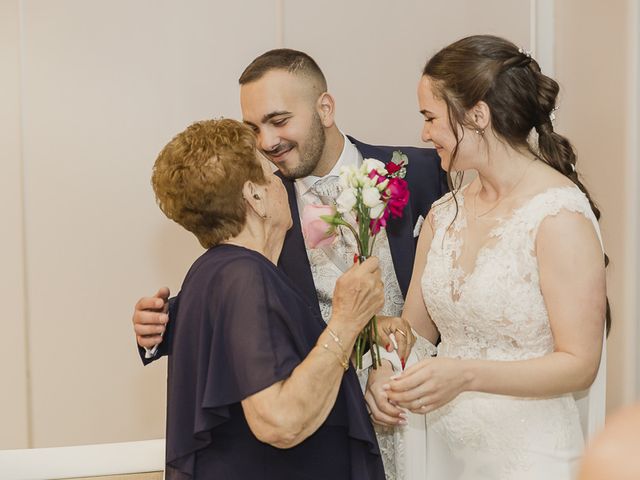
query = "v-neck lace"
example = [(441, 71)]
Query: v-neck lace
[(495, 311)]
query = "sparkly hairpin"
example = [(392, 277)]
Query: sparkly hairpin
[(552, 115), (524, 52)]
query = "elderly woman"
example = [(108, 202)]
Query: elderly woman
[(259, 387)]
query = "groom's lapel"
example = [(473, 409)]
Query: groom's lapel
[(399, 230), (294, 261)]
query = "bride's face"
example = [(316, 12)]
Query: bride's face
[(437, 129)]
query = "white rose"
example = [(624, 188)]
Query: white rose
[(376, 212), (346, 201), (382, 185), (370, 164), (345, 180), (371, 197), (368, 182)]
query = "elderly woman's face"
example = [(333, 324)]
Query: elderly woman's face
[(279, 212)]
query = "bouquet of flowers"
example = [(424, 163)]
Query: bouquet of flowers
[(373, 193)]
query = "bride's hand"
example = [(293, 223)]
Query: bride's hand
[(428, 384)]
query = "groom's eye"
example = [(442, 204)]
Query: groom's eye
[(280, 122)]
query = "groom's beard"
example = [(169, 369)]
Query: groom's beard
[(309, 154)]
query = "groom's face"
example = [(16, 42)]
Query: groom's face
[(281, 108)]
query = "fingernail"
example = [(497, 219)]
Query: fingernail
[(388, 347), (403, 416), (402, 422), (355, 258), (402, 362)]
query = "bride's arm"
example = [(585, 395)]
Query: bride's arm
[(415, 311), (572, 281)]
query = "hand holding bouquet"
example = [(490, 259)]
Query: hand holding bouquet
[(372, 193)]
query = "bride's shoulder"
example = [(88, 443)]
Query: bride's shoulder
[(548, 187)]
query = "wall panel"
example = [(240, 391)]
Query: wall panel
[(106, 85), (13, 366), (373, 52)]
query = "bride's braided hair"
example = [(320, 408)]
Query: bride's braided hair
[(521, 99)]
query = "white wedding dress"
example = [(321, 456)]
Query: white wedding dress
[(494, 310)]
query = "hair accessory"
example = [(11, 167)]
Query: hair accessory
[(524, 52), (479, 131), (552, 115)]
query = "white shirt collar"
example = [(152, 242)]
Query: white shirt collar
[(349, 157)]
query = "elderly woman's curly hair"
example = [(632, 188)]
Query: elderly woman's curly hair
[(199, 175)]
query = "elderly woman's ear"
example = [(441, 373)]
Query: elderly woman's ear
[(255, 196)]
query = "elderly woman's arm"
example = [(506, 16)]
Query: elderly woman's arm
[(287, 412)]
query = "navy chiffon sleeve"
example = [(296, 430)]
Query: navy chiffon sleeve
[(250, 336), (232, 339)]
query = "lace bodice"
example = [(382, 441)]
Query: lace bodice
[(489, 305), (495, 310)]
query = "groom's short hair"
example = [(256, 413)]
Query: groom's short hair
[(292, 61)]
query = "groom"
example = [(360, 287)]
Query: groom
[(284, 99)]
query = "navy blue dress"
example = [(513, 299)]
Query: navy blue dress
[(241, 327)]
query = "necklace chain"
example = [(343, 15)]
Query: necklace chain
[(499, 201)]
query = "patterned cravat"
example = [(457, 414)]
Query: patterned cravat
[(327, 189), (341, 251)]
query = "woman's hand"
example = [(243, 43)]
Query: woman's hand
[(380, 410), (358, 295), (429, 384), (403, 338)]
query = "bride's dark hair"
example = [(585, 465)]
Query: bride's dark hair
[(520, 97)]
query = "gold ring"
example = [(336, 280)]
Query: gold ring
[(401, 332)]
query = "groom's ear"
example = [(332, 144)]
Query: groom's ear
[(325, 107), (479, 115)]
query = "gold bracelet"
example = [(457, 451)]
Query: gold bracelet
[(343, 363), (336, 339)]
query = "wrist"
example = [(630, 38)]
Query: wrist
[(343, 329), (469, 376)]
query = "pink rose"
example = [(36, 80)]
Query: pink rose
[(317, 232), (398, 196)]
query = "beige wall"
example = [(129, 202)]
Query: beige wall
[(594, 64), (104, 85), (14, 432)]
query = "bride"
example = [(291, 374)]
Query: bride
[(509, 275)]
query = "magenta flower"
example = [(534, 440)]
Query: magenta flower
[(398, 192)]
